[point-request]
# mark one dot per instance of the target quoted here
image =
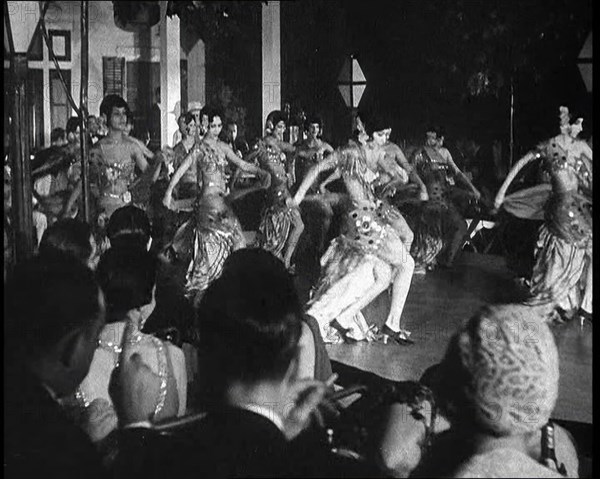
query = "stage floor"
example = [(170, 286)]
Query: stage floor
[(439, 302)]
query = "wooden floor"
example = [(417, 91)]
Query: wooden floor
[(439, 302)]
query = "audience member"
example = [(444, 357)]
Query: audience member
[(54, 314), (498, 385), (127, 277), (129, 226), (72, 237)]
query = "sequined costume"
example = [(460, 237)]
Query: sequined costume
[(115, 177), (437, 224), (214, 231), (564, 247), (278, 218), (364, 258)]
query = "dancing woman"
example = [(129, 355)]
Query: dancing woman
[(214, 230), (281, 223), (562, 274), (369, 243)]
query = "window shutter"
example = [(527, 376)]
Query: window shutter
[(113, 69)]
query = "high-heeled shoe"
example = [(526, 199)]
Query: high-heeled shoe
[(400, 337), (582, 316)]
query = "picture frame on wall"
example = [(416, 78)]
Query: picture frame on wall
[(60, 42)]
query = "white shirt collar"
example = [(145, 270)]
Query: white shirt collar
[(270, 414)]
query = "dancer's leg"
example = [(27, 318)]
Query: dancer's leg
[(404, 231), (400, 288), (294, 236), (586, 302), (382, 273), (458, 228)]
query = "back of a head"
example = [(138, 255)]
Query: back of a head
[(500, 373), (46, 299), (129, 226), (68, 236), (127, 277), (250, 319)]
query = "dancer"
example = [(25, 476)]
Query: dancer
[(214, 231), (561, 282), (436, 167), (281, 223), (369, 241), (309, 153)]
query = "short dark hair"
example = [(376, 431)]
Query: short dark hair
[(69, 236), (57, 134), (249, 319), (72, 124), (210, 112), (438, 130), (312, 119), (376, 122), (112, 101), (127, 277), (276, 116), (47, 298), (129, 226), (188, 118)]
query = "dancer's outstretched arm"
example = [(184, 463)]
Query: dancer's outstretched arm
[(519, 165), (185, 165), (327, 164)]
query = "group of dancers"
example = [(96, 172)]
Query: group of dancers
[(397, 216)]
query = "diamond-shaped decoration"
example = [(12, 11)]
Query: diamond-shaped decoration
[(586, 51), (352, 82)]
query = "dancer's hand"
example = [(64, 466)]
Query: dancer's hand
[(323, 190), (168, 201), (265, 179), (423, 195), (291, 202), (476, 195)]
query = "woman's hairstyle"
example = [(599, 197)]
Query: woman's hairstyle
[(275, 117), (127, 277), (313, 119), (500, 373), (72, 124), (129, 226), (58, 134), (249, 319), (68, 236), (112, 101), (210, 112), (376, 123)]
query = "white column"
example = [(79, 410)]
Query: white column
[(271, 58), (170, 75), (197, 73)]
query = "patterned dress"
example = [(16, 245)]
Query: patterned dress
[(564, 247), (213, 232), (277, 218)]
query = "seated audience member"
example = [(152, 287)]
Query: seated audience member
[(129, 226), (498, 385), (54, 314), (249, 332), (313, 360), (127, 277), (72, 237)]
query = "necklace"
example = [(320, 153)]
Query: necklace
[(116, 349)]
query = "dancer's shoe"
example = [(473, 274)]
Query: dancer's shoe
[(400, 337)]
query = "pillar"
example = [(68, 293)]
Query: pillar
[(271, 58), (170, 74), (197, 73)]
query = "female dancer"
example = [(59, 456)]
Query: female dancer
[(281, 224), (562, 274), (214, 230), (370, 242)]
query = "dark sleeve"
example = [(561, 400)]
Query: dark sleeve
[(322, 362)]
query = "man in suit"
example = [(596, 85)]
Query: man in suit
[(54, 313), (249, 328)]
